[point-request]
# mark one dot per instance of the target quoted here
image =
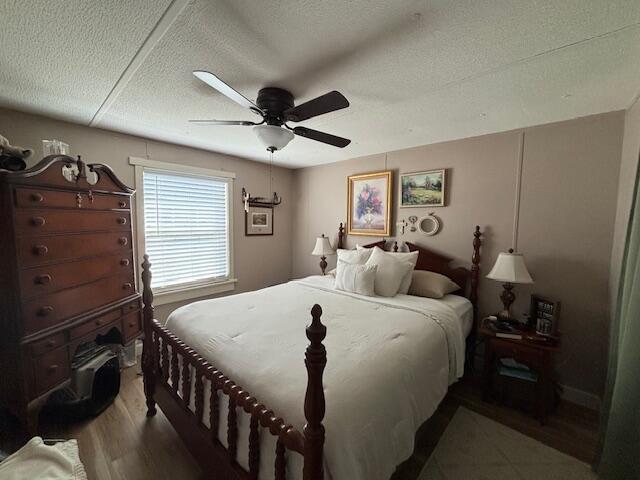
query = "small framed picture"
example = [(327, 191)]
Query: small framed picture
[(423, 189), (543, 315), (258, 221)]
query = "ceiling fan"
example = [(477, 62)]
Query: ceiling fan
[(276, 108)]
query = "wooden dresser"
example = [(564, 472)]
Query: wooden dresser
[(66, 275)]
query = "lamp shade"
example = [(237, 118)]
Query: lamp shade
[(510, 268), (323, 247), (273, 137)]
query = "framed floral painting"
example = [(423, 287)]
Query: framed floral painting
[(369, 204)]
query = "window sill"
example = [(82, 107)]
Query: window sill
[(180, 295)]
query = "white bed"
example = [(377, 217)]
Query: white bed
[(390, 362)]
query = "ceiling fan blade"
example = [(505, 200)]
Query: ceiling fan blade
[(215, 82), (329, 102), (223, 122), (322, 137)]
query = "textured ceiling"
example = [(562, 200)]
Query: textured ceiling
[(415, 72)]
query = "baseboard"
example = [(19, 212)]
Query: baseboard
[(580, 397)]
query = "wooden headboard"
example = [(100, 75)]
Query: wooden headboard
[(466, 278)]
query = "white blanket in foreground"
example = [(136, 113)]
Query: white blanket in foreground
[(390, 361), (43, 462)]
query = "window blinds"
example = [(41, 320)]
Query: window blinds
[(186, 220)]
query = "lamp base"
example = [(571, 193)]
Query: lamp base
[(508, 297), (323, 264)]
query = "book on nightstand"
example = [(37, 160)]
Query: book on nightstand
[(510, 368)]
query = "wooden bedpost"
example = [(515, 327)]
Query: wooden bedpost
[(473, 297), (314, 406), (340, 236), (149, 360)]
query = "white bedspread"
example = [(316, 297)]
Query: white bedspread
[(390, 362)]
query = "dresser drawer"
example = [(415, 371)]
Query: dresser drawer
[(130, 307), (94, 324), (51, 369), (40, 198), (33, 222), (48, 310), (46, 279), (35, 250), (50, 343), (131, 325)]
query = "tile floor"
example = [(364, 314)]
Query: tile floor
[(474, 447)]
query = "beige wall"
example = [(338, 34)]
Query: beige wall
[(259, 261), (568, 205), (567, 215), (628, 171)]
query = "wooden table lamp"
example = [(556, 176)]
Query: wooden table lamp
[(509, 269), (322, 249)]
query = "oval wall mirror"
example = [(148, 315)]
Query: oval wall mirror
[(429, 224)]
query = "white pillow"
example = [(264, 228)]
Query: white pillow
[(411, 257), (390, 273), (356, 278), (356, 257), (431, 284)]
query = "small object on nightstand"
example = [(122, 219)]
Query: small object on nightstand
[(525, 362), (543, 315), (509, 269), (322, 249)]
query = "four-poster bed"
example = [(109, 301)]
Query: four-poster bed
[(176, 377)]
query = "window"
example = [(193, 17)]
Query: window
[(185, 217)]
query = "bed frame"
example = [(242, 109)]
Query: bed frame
[(168, 365)]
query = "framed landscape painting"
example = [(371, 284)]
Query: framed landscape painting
[(423, 189), (369, 204)]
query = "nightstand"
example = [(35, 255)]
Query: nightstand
[(537, 356)]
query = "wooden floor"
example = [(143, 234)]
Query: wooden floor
[(116, 444)]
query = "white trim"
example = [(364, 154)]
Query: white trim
[(191, 291), (164, 24), (178, 168), (582, 398), (180, 295)]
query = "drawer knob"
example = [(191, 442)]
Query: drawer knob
[(44, 311), (121, 220), (132, 324), (126, 286), (40, 250), (50, 343), (122, 204), (131, 307), (122, 241), (43, 279), (52, 369), (36, 197), (78, 200), (38, 221), (124, 262), (98, 322)]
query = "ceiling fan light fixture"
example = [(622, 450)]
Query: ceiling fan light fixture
[(273, 137)]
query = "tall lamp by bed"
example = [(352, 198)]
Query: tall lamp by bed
[(509, 269), (322, 249)]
